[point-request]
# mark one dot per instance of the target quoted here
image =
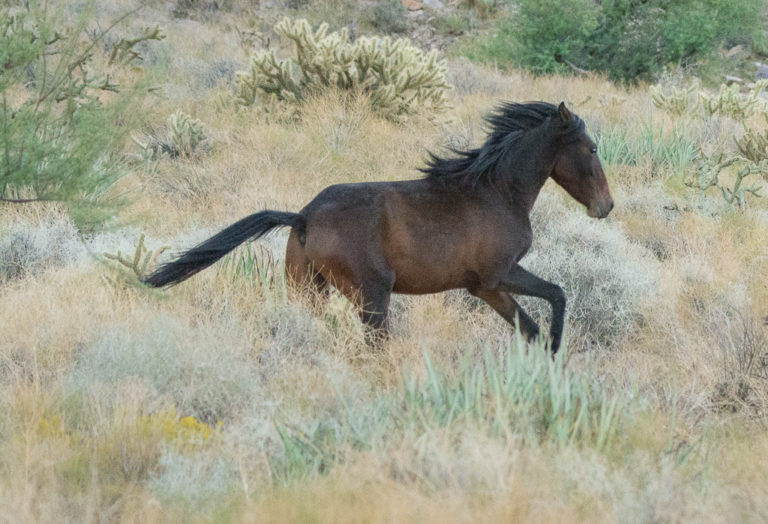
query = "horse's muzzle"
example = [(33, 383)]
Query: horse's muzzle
[(600, 209)]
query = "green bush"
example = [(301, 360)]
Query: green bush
[(543, 29), (627, 39), (59, 134)]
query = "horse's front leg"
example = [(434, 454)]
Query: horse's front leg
[(523, 282), (506, 306)]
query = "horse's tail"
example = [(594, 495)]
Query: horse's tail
[(200, 257)]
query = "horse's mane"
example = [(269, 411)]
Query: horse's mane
[(509, 124)]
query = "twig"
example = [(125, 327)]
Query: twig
[(560, 59)]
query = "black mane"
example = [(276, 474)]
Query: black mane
[(509, 124)]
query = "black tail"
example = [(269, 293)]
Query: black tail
[(200, 257)]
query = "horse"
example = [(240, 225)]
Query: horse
[(464, 225)]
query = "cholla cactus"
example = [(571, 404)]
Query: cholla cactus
[(679, 101), (137, 264), (728, 101), (186, 133), (397, 76), (708, 175), (752, 159), (753, 145)]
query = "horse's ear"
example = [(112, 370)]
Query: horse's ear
[(565, 115)]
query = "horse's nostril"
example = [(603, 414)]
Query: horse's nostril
[(611, 206)]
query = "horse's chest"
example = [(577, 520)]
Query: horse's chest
[(514, 244)]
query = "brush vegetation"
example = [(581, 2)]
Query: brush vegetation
[(63, 115), (231, 398), (628, 40)]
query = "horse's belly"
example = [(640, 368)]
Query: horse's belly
[(420, 281)]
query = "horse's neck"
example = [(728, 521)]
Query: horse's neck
[(535, 169)]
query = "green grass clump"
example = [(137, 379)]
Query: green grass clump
[(665, 152), (514, 389)]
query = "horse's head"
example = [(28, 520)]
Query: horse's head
[(578, 169)]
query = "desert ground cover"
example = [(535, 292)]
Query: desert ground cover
[(229, 399)]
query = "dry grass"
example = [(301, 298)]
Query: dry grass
[(226, 400)]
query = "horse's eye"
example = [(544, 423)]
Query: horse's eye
[(593, 150)]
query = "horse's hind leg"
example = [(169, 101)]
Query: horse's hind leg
[(299, 270), (374, 302), (374, 297), (509, 309)]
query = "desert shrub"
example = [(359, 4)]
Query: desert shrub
[(484, 7), (742, 343), (544, 29), (27, 248), (201, 375), (119, 447), (59, 140), (455, 23), (628, 39), (195, 8), (468, 78), (202, 483), (609, 283), (398, 77), (386, 16)]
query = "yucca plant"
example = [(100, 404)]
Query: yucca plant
[(513, 391), (516, 388)]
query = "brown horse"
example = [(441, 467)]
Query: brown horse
[(465, 225)]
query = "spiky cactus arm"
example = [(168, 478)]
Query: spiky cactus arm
[(398, 77), (186, 132)]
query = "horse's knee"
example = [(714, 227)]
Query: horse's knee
[(558, 298)]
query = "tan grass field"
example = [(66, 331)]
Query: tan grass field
[(226, 400)]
